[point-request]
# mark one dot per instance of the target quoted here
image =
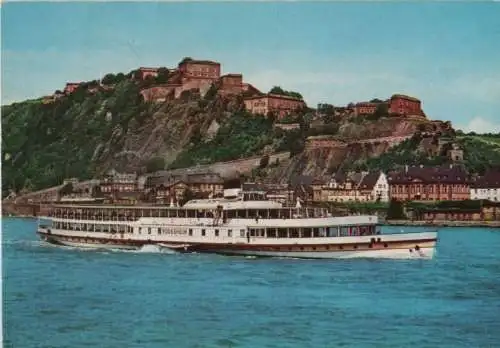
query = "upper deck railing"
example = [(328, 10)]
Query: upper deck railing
[(133, 213)]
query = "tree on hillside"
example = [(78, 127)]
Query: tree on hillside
[(120, 77), (382, 110), (326, 109), (148, 81), (155, 164), (295, 94), (108, 79), (271, 116), (211, 93), (277, 90), (134, 74), (186, 59), (281, 91), (264, 161), (187, 196), (376, 100), (396, 210), (163, 75)]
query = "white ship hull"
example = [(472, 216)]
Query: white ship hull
[(65, 242), (403, 246), (424, 253)]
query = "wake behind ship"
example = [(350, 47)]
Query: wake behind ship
[(240, 223)]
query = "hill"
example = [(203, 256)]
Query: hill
[(478, 153), (97, 127), (84, 134)]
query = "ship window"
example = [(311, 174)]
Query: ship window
[(229, 233), (315, 232), (282, 233), (203, 232), (294, 232), (344, 231), (216, 233), (272, 233), (190, 231), (306, 232)]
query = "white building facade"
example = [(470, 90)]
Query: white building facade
[(381, 188), (487, 187), (489, 193)]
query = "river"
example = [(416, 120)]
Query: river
[(63, 297)]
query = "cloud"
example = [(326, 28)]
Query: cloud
[(480, 125)]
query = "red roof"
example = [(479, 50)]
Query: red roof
[(430, 175), (491, 179), (369, 181)]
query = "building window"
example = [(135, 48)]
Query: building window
[(190, 231), (203, 232), (242, 233), (149, 230), (139, 231), (229, 233), (216, 233)]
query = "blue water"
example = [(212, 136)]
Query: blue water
[(56, 297)]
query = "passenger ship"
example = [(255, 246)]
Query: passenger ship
[(238, 224)]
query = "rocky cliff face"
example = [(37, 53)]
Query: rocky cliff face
[(164, 132), (85, 134), (363, 140), (384, 127)]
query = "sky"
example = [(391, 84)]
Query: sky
[(446, 54)]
